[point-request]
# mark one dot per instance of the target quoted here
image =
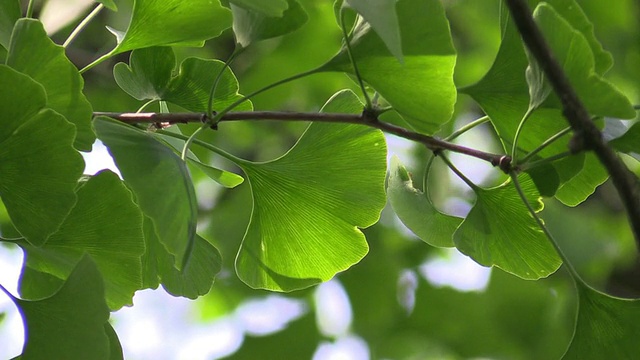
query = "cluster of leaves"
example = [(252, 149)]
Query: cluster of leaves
[(91, 242)]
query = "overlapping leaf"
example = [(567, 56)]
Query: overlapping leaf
[(53, 70), (605, 326), (109, 228), (109, 4), (251, 24), (9, 13), (72, 323), (160, 181), (628, 143), (149, 77), (304, 225), (37, 158), (415, 210), (172, 22), (499, 231), (427, 70), (273, 8)]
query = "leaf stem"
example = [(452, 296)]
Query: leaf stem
[(550, 159), (82, 25), (205, 145), (96, 62), (145, 105), (453, 168), (514, 146), (368, 103), (29, 13), (227, 63), (546, 143), (467, 127), (572, 271)]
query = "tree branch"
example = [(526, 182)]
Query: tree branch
[(586, 135), (433, 144)]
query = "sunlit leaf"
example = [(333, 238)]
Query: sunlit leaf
[(574, 191), (172, 22), (10, 12), (304, 226), (251, 25), (499, 231), (37, 158), (272, 8), (415, 210), (109, 228), (149, 77), (70, 324), (381, 15), (222, 177), (53, 70), (160, 181), (427, 70), (604, 327)]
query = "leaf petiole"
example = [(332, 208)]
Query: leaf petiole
[(82, 25), (368, 103)]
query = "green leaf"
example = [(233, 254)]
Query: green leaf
[(222, 177), (10, 12), (604, 327), (273, 8), (304, 225), (539, 88), (574, 191), (53, 70), (109, 228), (381, 15), (37, 159), (71, 324), (251, 25), (415, 210), (427, 71), (499, 231), (109, 4), (148, 77), (160, 181), (628, 142), (172, 22)]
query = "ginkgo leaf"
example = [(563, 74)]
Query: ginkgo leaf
[(107, 228), (149, 77), (272, 8), (427, 70), (160, 181), (37, 159), (251, 25), (172, 22), (584, 183), (415, 210), (53, 70), (109, 4), (71, 323), (604, 327), (10, 12), (499, 231), (222, 177), (304, 225)]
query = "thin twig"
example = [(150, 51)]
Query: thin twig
[(586, 135), (433, 144)]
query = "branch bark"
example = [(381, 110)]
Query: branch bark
[(586, 135)]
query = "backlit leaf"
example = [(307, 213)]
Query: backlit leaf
[(272, 8), (251, 25), (381, 15), (304, 225)]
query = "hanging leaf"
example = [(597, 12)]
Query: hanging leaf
[(628, 142), (10, 12), (273, 8), (574, 191), (53, 70), (251, 25), (37, 159), (149, 77), (222, 177), (109, 4), (427, 70), (415, 210), (499, 231), (304, 227), (160, 181), (603, 327), (70, 324), (111, 233), (381, 16), (172, 22)]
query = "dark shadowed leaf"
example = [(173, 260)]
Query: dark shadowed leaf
[(10, 12), (272, 8)]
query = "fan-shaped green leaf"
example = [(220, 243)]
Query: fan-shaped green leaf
[(574, 191), (148, 77), (109, 228), (160, 181), (628, 142), (605, 327), (381, 15), (415, 210), (172, 22), (251, 25), (70, 324), (9, 13), (273, 8), (499, 231), (53, 70), (306, 215), (427, 71), (37, 159)]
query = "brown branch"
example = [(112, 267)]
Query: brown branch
[(433, 144), (586, 135)]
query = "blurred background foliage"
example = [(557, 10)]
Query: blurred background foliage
[(397, 311)]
